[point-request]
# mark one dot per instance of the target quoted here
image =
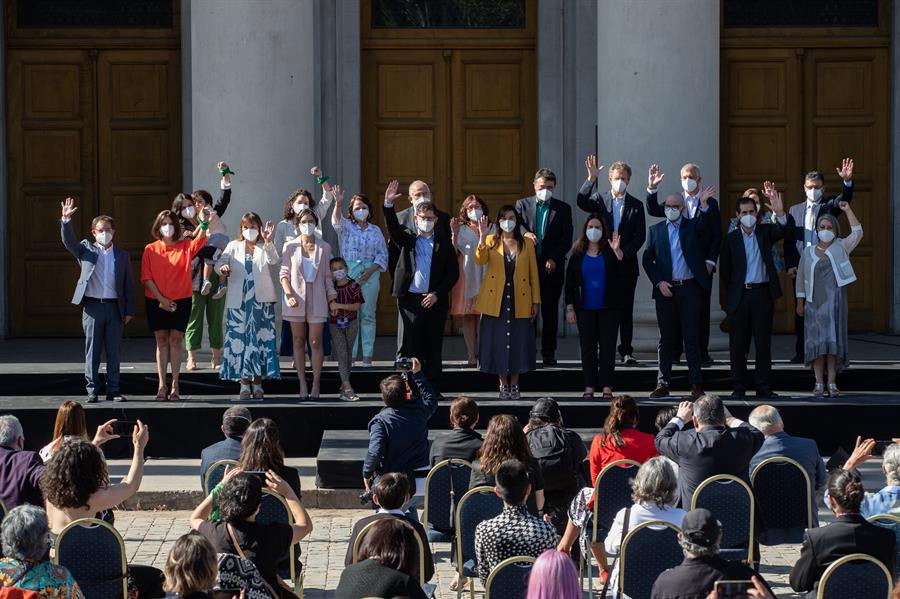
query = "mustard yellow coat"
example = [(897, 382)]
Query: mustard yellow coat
[(525, 279)]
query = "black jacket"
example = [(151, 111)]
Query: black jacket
[(847, 534), (420, 530), (733, 267), (444, 266), (406, 219), (632, 226), (695, 578), (654, 208), (616, 292), (369, 578), (694, 235), (558, 230), (459, 443)]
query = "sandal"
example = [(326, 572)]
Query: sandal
[(833, 390), (458, 582), (819, 390), (514, 392), (258, 392), (191, 365), (245, 391), (608, 395), (587, 395), (162, 395), (348, 394), (504, 392), (174, 396)]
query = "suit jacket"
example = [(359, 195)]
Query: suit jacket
[(616, 292), (322, 287), (733, 267), (654, 208), (694, 235), (632, 226), (444, 266), (264, 256), (460, 443), (420, 530), (557, 239), (20, 476), (228, 448), (407, 219), (798, 212), (696, 577), (369, 578), (701, 454), (847, 534), (87, 254)]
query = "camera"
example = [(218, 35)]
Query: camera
[(365, 498), (404, 364)]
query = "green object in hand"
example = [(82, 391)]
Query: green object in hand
[(204, 224), (322, 179), (225, 170)]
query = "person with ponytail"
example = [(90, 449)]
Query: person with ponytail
[(849, 533), (463, 442)]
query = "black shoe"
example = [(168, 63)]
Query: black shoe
[(697, 392), (115, 397), (798, 359), (92, 398), (737, 394), (660, 391), (706, 361), (549, 361), (767, 395), (629, 360)]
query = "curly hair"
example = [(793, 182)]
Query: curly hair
[(261, 446), (289, 203), (74, 473), (240, 497), (503, 440)]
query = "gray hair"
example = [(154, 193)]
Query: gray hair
[(709, 410), (26, 534), (655, 483), (764, 418), (690, 166), (693, 551), (891, 463), (10, 430)]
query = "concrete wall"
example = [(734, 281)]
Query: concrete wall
[(894, 179), (252, 101), (4, 209)]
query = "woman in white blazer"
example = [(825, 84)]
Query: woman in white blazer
[(250, 352), (822, 278)]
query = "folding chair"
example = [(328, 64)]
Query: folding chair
[(648, 550), (446, 481), (855, 575), (274, 508), (784, 503), (893, 523), (94, 553), (612, 492), (357, 543), (509, 578), (731, 502), (476, 506), (214, 474)]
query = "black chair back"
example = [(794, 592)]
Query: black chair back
[(648, 550), (855, 575), (731, 502), (94, 553), (783, 501), (509, 578)]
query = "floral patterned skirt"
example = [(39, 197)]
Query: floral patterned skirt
[(250, 347)]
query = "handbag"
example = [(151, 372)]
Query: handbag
[(615, 559), (283, 591)]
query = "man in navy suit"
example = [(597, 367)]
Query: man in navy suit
[(105, 290), (778, 443), (806, 214), (623, 214), (675, 261), (235, 421), (691, 192)]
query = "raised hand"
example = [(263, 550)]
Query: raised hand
[(768, 189), (654, 177), (225, 171), (338, 194), (707, 193), (685, 411), (483, 225), (845, 172), (615, 242), (315, 171), (268, 231), (390, 194), (775, 204), (68, 207), (454, 226), (861, 453), (844, 205), (593, 171), (204, 215)]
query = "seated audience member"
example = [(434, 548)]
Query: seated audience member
[(663, 416), (553, 576), (718, 444), (515, 531), (26, 547), (70, 423), (778, 443), (239, 532), (696, 576), (20, 470), (387, 566), (887, 500), (235, 421), (561, 454), (398, 434), (261, 451), (191, 568), (849, 533), (390, 494), (505, 440), (463, 441)]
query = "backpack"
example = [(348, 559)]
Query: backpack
[(550, 450)]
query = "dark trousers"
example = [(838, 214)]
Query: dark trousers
[(679, 318), (102, 325), (423, 332), (626, 325), (752, 319), (597, 334), (704, 323), (551, 289), (800, 344)]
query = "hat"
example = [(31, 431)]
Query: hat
[(238, 412), (546, 408), (700, 527)]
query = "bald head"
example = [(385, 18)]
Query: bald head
[(674, 200), (419, 190), (767, 420)]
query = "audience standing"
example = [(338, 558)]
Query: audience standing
[(235, 421), (70, 423), (191, 568), (21, 471), (463, 441), (464, 229)]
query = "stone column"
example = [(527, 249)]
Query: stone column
[(658, 101)]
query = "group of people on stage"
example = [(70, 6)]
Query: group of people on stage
[(498, 275)]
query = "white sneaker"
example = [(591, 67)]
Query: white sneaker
[(206, 287)]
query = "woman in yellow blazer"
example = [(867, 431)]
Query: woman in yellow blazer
[(508, 301)]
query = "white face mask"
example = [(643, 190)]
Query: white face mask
[(167, 231), (543, 194), (507, 225), (189, 212), (425, 226), (307, 228), (748, 220), (361, 214), (103, 237), (672, 213), (689, 185), (251, 234), (826, 235), (339, 275), (475, 214), (813, 194), (618, 185), (594, 234), (298, 207)]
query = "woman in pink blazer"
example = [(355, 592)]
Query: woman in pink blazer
[(308, 295)]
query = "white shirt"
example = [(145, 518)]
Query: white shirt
[(102, 284), (691, 204), (309, 269)]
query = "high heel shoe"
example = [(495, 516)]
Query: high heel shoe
[(504, 392), (833, 390), (819, 390)]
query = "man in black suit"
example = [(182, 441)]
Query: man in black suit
[(418, 192), (425, 272), (235, 421), (547, 221), (675, 262), (751, 286), (691, 192), (718, 444), (624, 214)]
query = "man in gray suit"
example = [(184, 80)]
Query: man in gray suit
[(105, 290), (778, 443)]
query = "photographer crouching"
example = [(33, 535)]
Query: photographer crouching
[(398, 434)]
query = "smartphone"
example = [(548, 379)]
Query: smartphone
[(260, 474), (123, 428), (881, 445), (733, 589)]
